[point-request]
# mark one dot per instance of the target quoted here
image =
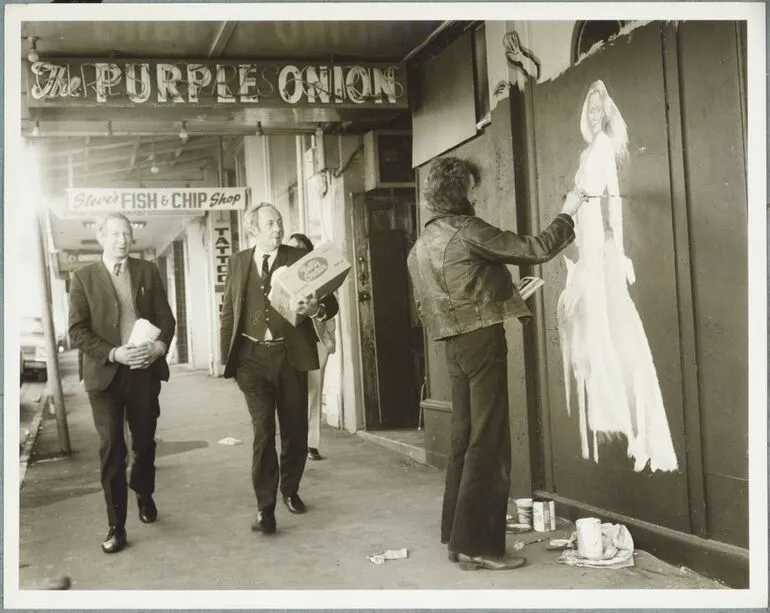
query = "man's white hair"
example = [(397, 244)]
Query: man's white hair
[(251, 216), (101, 223)]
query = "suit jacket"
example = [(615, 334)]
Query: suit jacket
[(94, 317), (300, 341)]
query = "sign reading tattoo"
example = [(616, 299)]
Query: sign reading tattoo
[(128, 83), (222, 249)]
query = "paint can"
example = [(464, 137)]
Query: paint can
[(524, 510), (541, 522), (589, 538), (543, 515)]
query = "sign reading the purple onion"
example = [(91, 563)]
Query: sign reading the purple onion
[(152, 83), (168, 201)]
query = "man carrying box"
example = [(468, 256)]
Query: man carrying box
[(269, 359)]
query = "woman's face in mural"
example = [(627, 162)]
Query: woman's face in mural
[(595, 112)]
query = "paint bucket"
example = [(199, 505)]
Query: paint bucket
[(589, 538), (524, 510), (543, 516), (552, 511)]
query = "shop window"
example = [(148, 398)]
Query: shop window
[(480, 73), (588, 33)]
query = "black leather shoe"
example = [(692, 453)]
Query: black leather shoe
[(265, 522), (489, 562), (312, 454), (148, 512), (115, 540), (294, 504)]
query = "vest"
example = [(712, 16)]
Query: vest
[(258, 315), (127, 317)]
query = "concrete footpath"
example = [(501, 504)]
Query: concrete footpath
[(361, 499)]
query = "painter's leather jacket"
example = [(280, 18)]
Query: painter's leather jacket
[(457, 267)]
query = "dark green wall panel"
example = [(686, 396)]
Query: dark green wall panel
[(716, 180)]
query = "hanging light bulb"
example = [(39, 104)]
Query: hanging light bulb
[(32, 54), (151, 158), (36, 129), (183, 135)]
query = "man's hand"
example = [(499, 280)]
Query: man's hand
[(308, 305), (124, 354), (144, 355), (574, 201)]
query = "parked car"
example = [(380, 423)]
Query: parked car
[(33, 351)]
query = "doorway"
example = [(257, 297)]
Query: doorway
[(385, 228)]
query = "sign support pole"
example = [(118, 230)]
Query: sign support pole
[(52, 360)]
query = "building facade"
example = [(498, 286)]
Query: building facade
[(684, 227), (342, 149)]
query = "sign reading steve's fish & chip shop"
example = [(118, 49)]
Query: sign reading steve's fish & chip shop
[(147, 83), (162, 201)]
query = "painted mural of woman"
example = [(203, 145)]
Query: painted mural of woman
[(604, 345)]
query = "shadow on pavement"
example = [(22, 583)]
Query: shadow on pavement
[(165, 448)]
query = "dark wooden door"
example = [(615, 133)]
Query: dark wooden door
[(633, 72), (398, 396), (391, 359)]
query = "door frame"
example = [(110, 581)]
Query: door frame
[(365, 297)]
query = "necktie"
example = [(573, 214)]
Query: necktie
[(265, 273), (116, 269)]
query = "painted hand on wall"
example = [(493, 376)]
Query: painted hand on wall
[(520, 57)]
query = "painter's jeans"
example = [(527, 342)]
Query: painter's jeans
[(478, 476)]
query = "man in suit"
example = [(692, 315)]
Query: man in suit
[(269, 359), (122, 380)]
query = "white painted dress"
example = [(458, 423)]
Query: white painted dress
[(604, 346)]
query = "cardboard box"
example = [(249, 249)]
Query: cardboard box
[(321, 272)]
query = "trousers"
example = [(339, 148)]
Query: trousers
[(315, 385), (478, 476), (271, 385), (131, 398)]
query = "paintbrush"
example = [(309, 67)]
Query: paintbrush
[(589, 197)]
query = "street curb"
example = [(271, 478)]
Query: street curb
[(29, 442), (417, 454)]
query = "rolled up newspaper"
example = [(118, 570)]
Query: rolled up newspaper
[(143, 332), (528, 286)]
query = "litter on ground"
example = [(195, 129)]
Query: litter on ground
[(390, 554)]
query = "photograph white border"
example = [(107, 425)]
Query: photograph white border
[(753, 12)]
